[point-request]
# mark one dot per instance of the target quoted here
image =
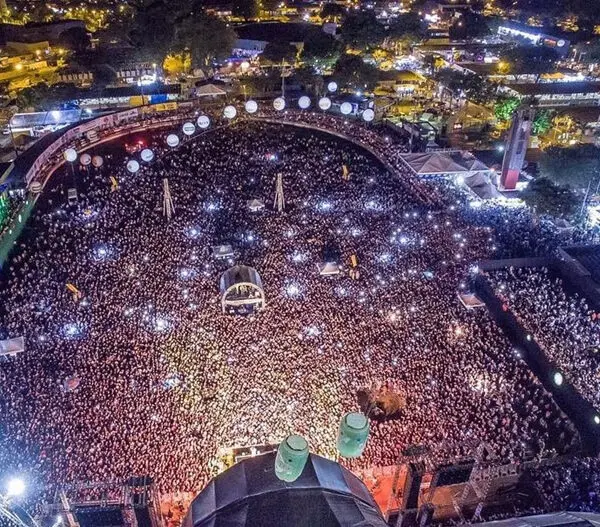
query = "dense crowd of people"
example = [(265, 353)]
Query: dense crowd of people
[(562, 323), (137, 371)]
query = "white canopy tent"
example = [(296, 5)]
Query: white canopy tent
[(462, 166), (11, 347), (329, 269), (222, 252), (256, 205), (209, 90)]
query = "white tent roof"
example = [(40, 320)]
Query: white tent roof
[(432, 163), (209, 90), (329, 268), (256, 204), (12, 346), (223, 251)]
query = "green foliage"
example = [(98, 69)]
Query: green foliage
[(246, 9), (321, 51), (573, 166), (206, 37), (473, 86), (505, 108), (542, 122), (361, 30), (153, 31), (546, 197), (278, 52), (4, 209), (470, 25), (530, 59), (333, 11), (407, 27), (76, 39), (45, 98), (353, 73)]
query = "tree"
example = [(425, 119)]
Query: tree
[(333, 12), (361, 30), (45, 98), (353, 73), (278, 52), (470, 25), (206, 38), (153, 32), (505, 108), (588, 52), (546, 197), (534, 60), (76, 39), (406, 30), (542, 122), (246, 9), (321, 51)]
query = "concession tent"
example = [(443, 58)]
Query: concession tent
[(477, 176), (329, 268), (256, 205), (250, 494), (11, 347), (209, 90), (222, 252)]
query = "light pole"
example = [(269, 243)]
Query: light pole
[(12, 512)]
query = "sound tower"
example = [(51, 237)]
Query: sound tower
[(516, 148), (412, 485)]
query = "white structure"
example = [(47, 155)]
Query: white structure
[(222, 252), (241, 290), (256, 205), (12, 347), (460, 166), (279, 197), (168, 207)]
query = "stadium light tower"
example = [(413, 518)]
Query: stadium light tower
[(11, 511), (15, 487)]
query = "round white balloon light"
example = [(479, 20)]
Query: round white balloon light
[(203, 121), (324, 103), (172, 140), (304, 102), (368, 115), (147, 155), (346, 108), (279, 104), (70, 154), (251, 106), (85, 159), (230, 112), (133, 166), (97, 161), (188, 128), (332, 86)]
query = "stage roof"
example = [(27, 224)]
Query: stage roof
[(249, 494), (239, 274), (434, 163), (55, 117)]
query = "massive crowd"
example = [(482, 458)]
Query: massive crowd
[(561, 322), (142, 373)]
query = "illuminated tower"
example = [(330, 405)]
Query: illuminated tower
[(516, 148)]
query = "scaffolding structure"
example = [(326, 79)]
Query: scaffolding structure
[(168, 207), (279, 202)]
